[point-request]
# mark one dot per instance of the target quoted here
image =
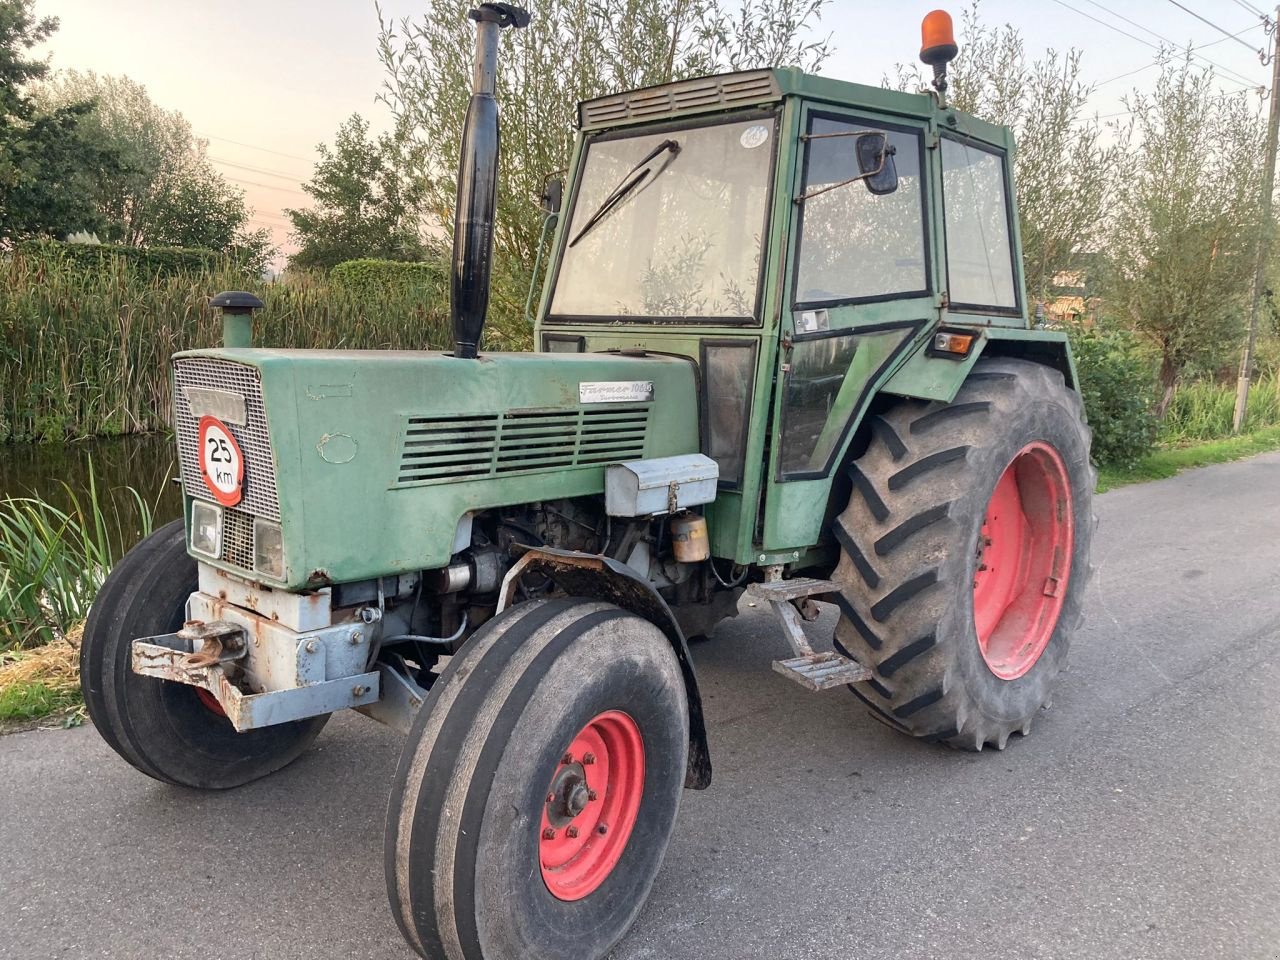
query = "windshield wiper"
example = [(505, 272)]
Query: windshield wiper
[(635, 176)]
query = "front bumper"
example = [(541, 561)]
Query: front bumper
[(260, 668)]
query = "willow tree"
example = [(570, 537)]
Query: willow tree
[(573, 50), (1062, 169), (1185, 220)]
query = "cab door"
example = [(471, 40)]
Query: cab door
[(862, 292)]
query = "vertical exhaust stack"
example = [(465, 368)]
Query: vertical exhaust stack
[(478, 183)]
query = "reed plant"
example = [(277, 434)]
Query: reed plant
[(53, 560), (1203, 409), (85, 351)]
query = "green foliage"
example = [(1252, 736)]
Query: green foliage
[(160, 189), (1185, 221), (1203, 409), (30, 701), (1119, 395), (571, 51), (52, 561), (87, 352), (1173, 460), (145, 261), (364, 204), (46, 166), (369, 278)]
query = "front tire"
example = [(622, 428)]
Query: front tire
[(539, 786), (168, 730), (965, 554)]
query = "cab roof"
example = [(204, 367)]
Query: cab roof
[(727, 91)]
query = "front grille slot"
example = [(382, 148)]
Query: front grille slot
[(441, 449), (259, 496)]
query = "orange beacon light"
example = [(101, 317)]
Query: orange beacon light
[(938, 45)]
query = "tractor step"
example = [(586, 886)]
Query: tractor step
[(796, 589), (810, 669), (822, 671)]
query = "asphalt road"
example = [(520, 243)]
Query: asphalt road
[(1137, 821)]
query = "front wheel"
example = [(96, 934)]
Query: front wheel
[(538, 788), (965, 553), (170, 731)]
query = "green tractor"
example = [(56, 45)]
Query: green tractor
[(783, 349)]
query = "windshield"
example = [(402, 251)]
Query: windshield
[(683, 242)]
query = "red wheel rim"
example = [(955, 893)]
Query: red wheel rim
[(210, 701), (1023, 561), (591, 805)]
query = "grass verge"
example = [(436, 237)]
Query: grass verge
[(41, 687), (1169, 461)]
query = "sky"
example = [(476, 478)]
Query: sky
[(265, 81)]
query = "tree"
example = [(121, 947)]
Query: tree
[(573, 50), (1185, 220), (1061, 169), (162, 189), (364, 204), (45, 165)]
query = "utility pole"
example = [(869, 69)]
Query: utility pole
[(1264, 232)]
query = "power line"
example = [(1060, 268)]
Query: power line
[(1163, 39), (1205, 20), (253, 146), (271, 173), (265, 186), (1157, 62), (1250, 7)]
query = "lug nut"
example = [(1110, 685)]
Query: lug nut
[(567, 759), (551, 798), (549, 833), (589, 759), (572, 833), (591, 795), (602, 829)]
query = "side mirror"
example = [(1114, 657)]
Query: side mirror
[(875, 163), (552, 196)]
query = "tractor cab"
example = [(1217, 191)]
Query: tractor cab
[(810, 244)]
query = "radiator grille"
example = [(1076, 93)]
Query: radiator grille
[(686, 96), (259, 496), (237, 539), (438, 449)]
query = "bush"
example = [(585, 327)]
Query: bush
[(1119, 389), (146, 262)]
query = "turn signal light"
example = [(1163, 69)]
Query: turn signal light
[(937, 38), (956, 344)]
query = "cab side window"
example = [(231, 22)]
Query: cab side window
[(855, 245), (976, 217)]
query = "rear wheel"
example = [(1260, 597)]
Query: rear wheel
[(965, 552), (170, 731), (538, 788)]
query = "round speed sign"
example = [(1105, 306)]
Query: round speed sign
[(221, 462)]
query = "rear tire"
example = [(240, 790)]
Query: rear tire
[(492, 759), (167, 730), (965, 554)]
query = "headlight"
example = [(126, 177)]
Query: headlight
[(268, 549), (206, 528)]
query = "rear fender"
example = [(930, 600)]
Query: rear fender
[(603, 578), (927, 376)]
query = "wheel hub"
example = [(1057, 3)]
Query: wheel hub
[(591, 806), (1022, 561)]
